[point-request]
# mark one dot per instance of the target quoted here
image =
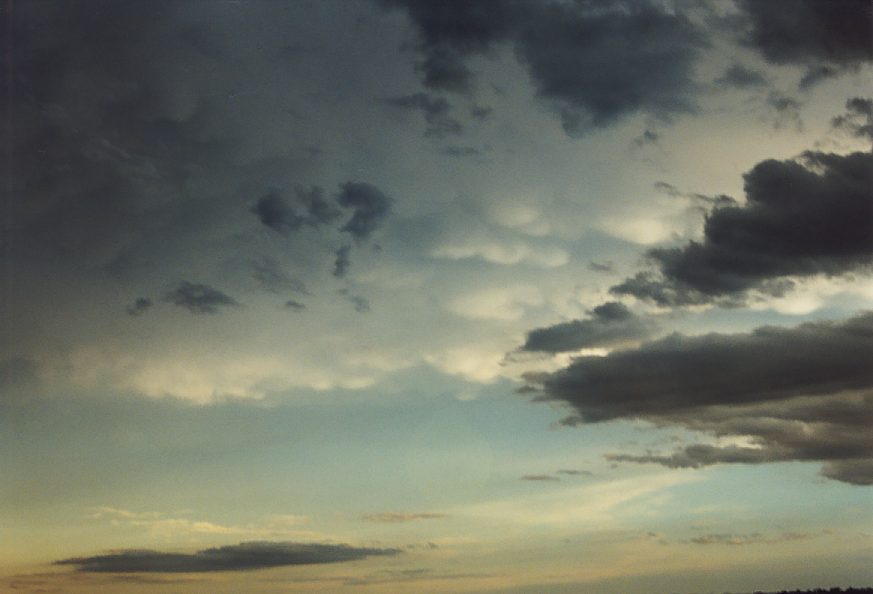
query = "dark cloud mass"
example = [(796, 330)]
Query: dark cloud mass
[(369, 205), (609, 325), (139, 306), (801, 218), (858, 119), (277, 214), (199, 299), (241, 557), (801, 393), (594, 63), (741, 77), (810, 32)]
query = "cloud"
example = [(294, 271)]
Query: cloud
[(370, 208), (294, 305), (811, 33), (362, 304), (139, 306), (797, 393), (609, 325), (741, 77), (802, 218), (539, 477), (593, 64), (342, 261), (436, 111), (858, 119), (601, 266), (748, 539), (402, 517), (279, 215), (574, 472), (241, 557), (273, 278), (199, 299)]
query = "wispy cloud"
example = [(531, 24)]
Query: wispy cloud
[(399, 517)]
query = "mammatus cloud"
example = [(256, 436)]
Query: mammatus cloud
[(608, 325), (823, 36), (593, 64), (802, 218), (241, 557), (401, 517), (199, 299), (799, 393)]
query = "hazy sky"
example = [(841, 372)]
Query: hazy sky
[(436, 296)]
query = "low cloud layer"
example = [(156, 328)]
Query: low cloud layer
[(241, 557), (401, 517), (608, 325), (800, 393), (802, 218)]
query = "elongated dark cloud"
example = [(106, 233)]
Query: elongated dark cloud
[(436, 112), (199, 299), (813, 33), (539, 477), (611, 324), (369, 205), (241, 557), (593, 63), (342, 261), (402, 517), (801, 393), (801, 218)]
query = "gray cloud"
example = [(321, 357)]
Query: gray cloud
[(539, 477), (436, 112), (813, 33), (574, 472), (361, 304), (199, 299), (610, 324), (594, 64), (601, 266), (799, 393), (139, 306), (748, 539), (311, 209), (402, 517), (342, 261), (241, 557), (294, 305), (741, 77), (370, 208), (801, 218), (858, 119)]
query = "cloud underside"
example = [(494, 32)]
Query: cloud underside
[(803, 393), (801, 219), (609, 325), (241, 557), (594, 65)]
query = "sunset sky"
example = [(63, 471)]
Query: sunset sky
[(436, 296)]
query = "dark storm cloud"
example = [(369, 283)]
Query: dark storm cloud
[(199, 299), (799, 393), (370, 208), (608, 325), (342, 261), (593, 63), (741, 77), (813, 33), (858, 119), (436, 112), (686, 372), (241, 557), (801, 218), (139, 306)]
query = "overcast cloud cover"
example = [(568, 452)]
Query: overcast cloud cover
[(480, 282)]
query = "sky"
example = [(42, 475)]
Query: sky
[(510, 296)]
